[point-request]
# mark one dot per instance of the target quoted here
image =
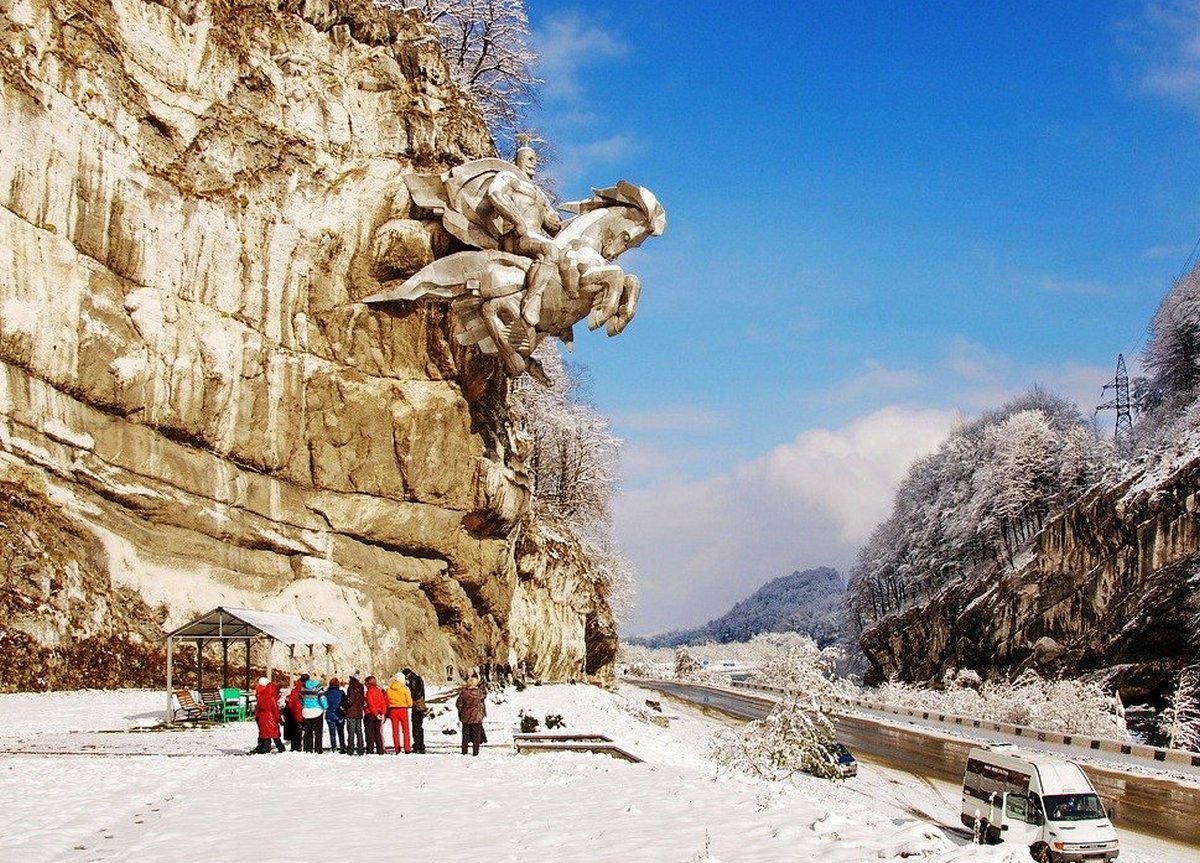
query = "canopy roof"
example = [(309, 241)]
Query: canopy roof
[(236, 624)]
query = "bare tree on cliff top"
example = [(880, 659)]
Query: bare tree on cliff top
[(486, 44), (1172, 362)]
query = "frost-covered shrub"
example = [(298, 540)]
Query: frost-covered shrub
[(792, 738), (488, 47), (687, 667), (1181, 720), (1066, 706), (961, 678)]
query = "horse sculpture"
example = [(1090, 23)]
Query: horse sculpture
[(522, 283)]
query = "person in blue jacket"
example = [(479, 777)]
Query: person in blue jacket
[(334, 717)]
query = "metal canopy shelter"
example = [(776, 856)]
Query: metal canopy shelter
[(245, 625)]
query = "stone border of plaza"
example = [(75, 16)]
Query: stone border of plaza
[(1091, 744)]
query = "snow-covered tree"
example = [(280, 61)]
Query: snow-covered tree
[(573, 462), (802, 669), (977, 500), (1181, 720), (487, 45), (793, 738), (573, 455), (687, 667)]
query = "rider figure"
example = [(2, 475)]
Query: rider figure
[(524, 206)]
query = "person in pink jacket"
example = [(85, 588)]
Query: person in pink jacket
[(266, 715)]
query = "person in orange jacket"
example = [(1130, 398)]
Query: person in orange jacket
[(399, 700), (376, 704)]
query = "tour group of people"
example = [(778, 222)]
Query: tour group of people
[(356, 714)]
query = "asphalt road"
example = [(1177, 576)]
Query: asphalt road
[(1145, 804)]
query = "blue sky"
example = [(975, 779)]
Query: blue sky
[(881, 216)]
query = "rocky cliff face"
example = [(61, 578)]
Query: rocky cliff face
[(1113, 584), (195, 195)]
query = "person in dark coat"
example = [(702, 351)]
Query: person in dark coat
[(353, 708), (266, 715), (416, 685), (293, 718), (471, 710)]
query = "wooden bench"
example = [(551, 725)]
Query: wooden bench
[(214, 703), (188, 707)]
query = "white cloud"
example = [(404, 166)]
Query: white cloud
[(700, 546), (576, 160), (876, 379), (565, 43), (974, 362), (1165, 40), (1159, 252)]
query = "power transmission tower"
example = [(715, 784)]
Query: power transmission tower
[(1123, 433)]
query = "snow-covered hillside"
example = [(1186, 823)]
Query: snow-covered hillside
[(78, 787)]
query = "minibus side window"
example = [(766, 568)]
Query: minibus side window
[(1017, 806)]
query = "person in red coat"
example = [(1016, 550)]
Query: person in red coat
[(266, 714), (376, 709)]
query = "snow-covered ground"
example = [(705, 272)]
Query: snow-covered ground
[(79, 785)]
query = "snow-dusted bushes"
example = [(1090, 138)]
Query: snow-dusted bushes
[(687, 667), (1066, 706), (1172, 361), (793, 738), (796, 736), (640, 661)]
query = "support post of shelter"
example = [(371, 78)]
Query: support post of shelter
[(170, 688)]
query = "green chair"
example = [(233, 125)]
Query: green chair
[(234, 708)]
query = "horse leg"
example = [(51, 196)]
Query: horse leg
[(630, 294)]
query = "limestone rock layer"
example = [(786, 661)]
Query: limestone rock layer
[(191, 200)]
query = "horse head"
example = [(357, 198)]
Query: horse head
[(614, 220)]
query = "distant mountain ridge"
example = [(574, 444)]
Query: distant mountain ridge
[(807, 602)]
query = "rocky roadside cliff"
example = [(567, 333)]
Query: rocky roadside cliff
[(1111, 587), (195, 409)]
